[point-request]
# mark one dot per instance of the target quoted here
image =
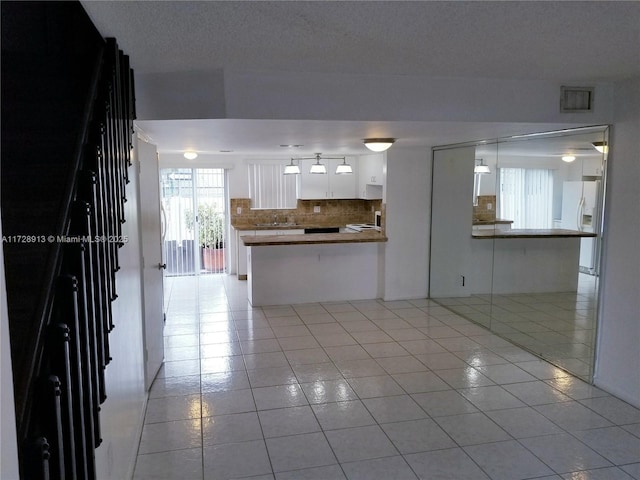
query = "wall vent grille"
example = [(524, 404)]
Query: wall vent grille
[(576, 99)]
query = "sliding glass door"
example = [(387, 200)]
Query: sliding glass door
[(194, 220)]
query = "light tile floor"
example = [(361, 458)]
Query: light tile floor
[(366, 390), (560, 327)]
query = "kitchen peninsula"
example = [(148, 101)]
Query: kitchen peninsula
[(527, 260), (308, 268)]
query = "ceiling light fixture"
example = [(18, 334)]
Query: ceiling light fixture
[(291, 169), (602, 147), (344, 168), (378, 144), (190, 155), (568, 158), (319, 168), (481, 168)]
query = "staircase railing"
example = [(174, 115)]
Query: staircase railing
[(60, 343)]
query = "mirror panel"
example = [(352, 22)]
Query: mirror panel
[(529, 270)]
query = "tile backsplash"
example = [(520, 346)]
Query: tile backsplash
[(332, 212), (482, 212)]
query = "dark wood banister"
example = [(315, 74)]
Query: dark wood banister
[(70, 99), (54, 257)]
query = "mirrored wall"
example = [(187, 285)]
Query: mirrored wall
[(516, 238)]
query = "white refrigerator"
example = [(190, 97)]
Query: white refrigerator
[(580, 211)]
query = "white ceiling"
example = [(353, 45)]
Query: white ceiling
[(587, 41)]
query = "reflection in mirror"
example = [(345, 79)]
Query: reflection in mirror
[(529, 270)]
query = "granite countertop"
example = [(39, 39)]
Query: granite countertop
[(531, 233), (496, 221), (314, 238)]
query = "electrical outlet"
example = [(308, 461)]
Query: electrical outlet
[(239, 210), (316, 209), (489, 206)]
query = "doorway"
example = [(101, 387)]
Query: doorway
[(194, 221)]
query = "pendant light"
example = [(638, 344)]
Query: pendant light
[(344, 168), (378, 144), (318, 167), (481, 168), (291, 169)]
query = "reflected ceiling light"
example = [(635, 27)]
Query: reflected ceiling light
[(190, 155), (481, 168), (378, 144), (344, 168), (291, 169), (568, 158), (602, 147)]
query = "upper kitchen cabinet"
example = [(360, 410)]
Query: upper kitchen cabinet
[(314, 186), (370, 176)]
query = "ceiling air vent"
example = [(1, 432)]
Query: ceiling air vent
[(576, 99)]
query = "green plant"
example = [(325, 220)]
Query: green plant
[(210, 226)]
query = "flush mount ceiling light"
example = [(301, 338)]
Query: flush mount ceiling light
[(602, 147), (190, 155), (568, 158), (481, 167), (378, 144), (291, 169)]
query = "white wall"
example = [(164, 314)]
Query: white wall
[(618, 354), (8, 445), (407, 192), (122, 414), (452, 223), (335, 96)]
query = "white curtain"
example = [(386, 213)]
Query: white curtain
[(270, 188), (526, 197)]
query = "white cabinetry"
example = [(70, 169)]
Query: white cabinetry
[(241, 252), (314, 186), (370, 176)]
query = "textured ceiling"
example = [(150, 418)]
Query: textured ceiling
[(548, 40), (536, 40)]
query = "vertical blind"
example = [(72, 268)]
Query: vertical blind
[(526, 197), (270, 188)]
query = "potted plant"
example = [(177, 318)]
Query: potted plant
[(210, 236)]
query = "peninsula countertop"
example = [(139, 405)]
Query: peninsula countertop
[(314, 238), (531, 233)]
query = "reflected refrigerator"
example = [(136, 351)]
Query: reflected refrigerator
[(580, 211)]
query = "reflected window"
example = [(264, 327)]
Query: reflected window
[(526, 197)]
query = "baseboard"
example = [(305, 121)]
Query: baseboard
[(132, 463)]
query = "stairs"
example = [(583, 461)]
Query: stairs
[(67, 113)]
